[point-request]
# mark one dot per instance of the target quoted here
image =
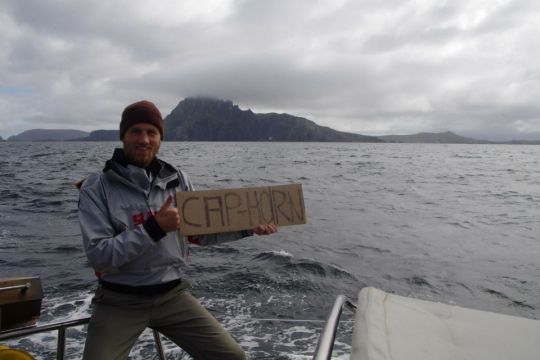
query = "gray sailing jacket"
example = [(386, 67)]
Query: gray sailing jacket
[(123, 241)]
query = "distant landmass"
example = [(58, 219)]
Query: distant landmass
[(523, 142), (48, 135), (210, 119), (101, 135), (447, 137)]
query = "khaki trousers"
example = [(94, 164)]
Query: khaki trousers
[(118, 320)]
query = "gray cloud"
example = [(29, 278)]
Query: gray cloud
[(369, 67)]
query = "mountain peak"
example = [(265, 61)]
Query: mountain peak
[(204, 102)]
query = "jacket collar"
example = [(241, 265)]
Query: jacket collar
[(165, 174), (119, 157)]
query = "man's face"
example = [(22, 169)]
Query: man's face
[(141, 143)]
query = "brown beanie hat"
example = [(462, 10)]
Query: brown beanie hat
[(141, 112)]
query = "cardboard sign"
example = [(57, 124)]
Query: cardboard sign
[(214, 211)]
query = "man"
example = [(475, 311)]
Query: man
[(129, 226)]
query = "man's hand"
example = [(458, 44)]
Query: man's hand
[(265, 229), (167, 217)]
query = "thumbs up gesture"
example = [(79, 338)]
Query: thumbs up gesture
[(167, 217)]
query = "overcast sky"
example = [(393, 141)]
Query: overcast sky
[(371, 67)]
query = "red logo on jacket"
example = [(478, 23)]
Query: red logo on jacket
[(139, 218)]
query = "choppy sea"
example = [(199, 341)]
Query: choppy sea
[(458, 224)]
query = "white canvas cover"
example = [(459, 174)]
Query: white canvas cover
[(392, 327)]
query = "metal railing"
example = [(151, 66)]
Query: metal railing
[(22, 287), (328, 335), (61, 340), (322, 352)]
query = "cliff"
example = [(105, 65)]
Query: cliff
[(208, 119)]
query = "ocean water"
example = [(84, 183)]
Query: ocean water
[(457, 224)]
